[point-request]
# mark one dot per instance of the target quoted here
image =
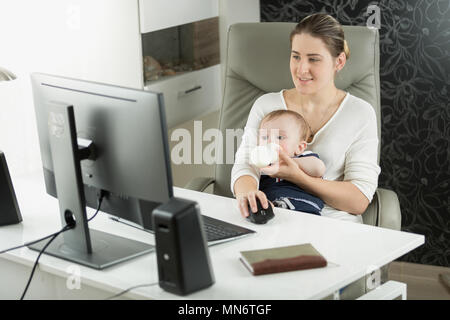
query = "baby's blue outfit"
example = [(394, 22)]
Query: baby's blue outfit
[(287, 195)]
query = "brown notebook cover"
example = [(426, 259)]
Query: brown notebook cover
[(282, 259)]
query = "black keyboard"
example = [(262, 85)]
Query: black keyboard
[(215, 230), (220, 230)]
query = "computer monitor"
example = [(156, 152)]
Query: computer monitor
[(101, 139)]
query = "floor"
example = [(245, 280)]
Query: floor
[(423, 281)]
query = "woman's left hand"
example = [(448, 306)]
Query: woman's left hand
[(286, 168)]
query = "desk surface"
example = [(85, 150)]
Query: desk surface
[(353, 250)]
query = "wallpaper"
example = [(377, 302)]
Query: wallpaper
[(415, 90)]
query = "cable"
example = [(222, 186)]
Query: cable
[(131, 288), (67, 227), (53, 237), (29, 243), (100, 200)]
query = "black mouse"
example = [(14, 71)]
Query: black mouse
[(262, 215)]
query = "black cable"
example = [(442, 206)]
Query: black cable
[(67, 227), (131, 288), (102, 195), (100, 200), (53, 237), (29, 243)]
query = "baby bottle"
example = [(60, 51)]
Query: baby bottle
[(262, 156)]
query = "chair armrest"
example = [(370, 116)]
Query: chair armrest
[(199, 183), (389, 214), (384, 210)]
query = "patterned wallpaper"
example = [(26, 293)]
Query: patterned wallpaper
[(415, 90)]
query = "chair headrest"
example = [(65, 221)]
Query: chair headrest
[(259, 53)]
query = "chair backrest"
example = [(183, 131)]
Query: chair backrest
[(257, 62)]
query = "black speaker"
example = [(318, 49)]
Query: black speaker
[(9, 209), (182, 252)]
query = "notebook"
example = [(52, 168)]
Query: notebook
[(282, 259)]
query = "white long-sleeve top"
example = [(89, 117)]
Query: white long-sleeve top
[(347, 144)]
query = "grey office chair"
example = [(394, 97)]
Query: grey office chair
[(258, 62)]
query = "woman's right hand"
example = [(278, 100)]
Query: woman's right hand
[(245, 198), (246, 191)]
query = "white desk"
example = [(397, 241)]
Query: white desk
[(353, 251)]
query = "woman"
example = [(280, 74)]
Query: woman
[(344, 127)]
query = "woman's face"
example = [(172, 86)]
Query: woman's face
[(312, 66)]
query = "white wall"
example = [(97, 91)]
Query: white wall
[(231, 12), (96, 40)]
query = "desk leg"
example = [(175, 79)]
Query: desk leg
[(388, 291), (337, 295)]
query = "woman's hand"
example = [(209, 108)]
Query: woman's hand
[(244, 199), (286, 168), (246, 191)]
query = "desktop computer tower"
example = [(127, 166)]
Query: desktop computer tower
[(9, 209), (181, 247)]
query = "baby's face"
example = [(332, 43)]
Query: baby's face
[(283, 131)]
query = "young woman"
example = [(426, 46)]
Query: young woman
[(344, 127)]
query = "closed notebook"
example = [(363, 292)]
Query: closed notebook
[(282, 259)]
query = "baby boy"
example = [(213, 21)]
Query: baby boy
[(289, 130)]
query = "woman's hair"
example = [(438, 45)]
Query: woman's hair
[(304, 127), (325, 27)]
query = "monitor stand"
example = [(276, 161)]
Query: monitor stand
[(81, 245)]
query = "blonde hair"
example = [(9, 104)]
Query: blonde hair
[(328, 29), (305, 129)]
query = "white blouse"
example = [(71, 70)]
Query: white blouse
[(347, 144)]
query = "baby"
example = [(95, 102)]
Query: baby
[(289, 130)]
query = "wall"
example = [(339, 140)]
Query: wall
[(231, 12), (91, 40), (415, 89)]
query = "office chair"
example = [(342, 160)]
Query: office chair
[(258, 62)]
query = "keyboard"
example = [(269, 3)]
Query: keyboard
[(216, 231)]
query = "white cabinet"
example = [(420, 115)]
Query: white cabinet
[(204, 87), (189, 95), (162, 14), (177, 36)]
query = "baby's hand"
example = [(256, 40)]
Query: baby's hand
[(286, 168)]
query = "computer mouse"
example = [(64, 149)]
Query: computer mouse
[(262, 215)]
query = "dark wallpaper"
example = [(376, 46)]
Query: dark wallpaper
[(415, 89)]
